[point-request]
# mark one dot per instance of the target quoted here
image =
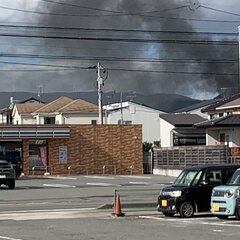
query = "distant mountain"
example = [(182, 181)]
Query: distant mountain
[(161, 101)]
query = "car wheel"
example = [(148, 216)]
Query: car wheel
[(186, 210), (237, 213), (222, 216), (168, 214), (11, 185)]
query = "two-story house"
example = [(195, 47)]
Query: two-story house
[(63, 110), (134, 113)]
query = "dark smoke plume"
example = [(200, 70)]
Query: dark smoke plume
[(166, 17)]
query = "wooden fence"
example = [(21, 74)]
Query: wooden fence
[(180, 157)]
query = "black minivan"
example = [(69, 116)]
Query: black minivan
[(192, 189)]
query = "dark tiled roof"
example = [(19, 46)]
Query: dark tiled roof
[(202, 104), (220, 103), (230, 120), (182, 119)]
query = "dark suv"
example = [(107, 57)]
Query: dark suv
[(14, 158), (7, 174), (192, 189)]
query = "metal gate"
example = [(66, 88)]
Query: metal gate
[(147, 162)]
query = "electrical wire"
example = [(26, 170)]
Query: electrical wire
[(112, 30), (133, 40), (118, 15), (113, 69)]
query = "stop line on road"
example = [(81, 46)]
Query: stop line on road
[(194, 221)]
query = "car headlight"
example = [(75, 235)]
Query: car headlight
[(229, 193), (176, 193), (238, 193), (213, 191)]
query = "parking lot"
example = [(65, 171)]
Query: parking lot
[(79, 207)]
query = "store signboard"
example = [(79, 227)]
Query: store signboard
[(63, 154)]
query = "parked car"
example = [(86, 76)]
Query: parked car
[(225, 200), (7, 174), (14, 158), (192, 189)]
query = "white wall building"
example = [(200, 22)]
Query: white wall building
[(133, 113)]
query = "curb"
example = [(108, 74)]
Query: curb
[(130, 205)]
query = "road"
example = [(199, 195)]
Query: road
[(62, 208)]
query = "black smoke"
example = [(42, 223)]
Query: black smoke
[(161, 20)]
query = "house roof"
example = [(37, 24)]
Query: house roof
[(229, 120), (231, 104), (201, 105), (31, 100), (182, 119), (126, 104), (55, 105), (220, 103), (28, 107), (79, 105)]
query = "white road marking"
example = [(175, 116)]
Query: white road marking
[(103, 184), (9, 238), (139, 183), (59, 185), (49, 214), (217, 230), (64, 178), (130, 176), (192, 221), (99, 177)]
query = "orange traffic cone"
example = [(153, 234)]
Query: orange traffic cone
[(118, 210)]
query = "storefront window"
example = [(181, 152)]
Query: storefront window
[(38, 153)]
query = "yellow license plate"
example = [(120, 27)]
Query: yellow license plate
[(164, 203), (215, 207)]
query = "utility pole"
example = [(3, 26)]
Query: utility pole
[(238, 86), (100, 82), (121, 107)]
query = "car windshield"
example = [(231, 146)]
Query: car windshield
[(186, 177), (235, 179)]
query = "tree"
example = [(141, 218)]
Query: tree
[(147, 146)]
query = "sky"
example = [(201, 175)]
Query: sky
[(187, 47)]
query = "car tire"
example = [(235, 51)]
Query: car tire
[(187, 210), (222, 217), (237, 213), (168, 214), (11, 185)]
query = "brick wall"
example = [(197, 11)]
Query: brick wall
[(93, 146)]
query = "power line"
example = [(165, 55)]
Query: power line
[(118, 59), (112, 69), (113, 30), (119, 15), (111, 39)]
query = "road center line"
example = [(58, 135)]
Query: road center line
[(99, 177), (59, 185)]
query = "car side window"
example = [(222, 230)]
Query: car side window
[(197, 178), (212, 176)]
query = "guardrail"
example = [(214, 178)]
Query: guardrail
[(46, 168), (76, 166)]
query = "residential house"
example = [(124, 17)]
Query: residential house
[(133, 113), (197, 108), (178, 130), (223, 126), (63, 110)]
